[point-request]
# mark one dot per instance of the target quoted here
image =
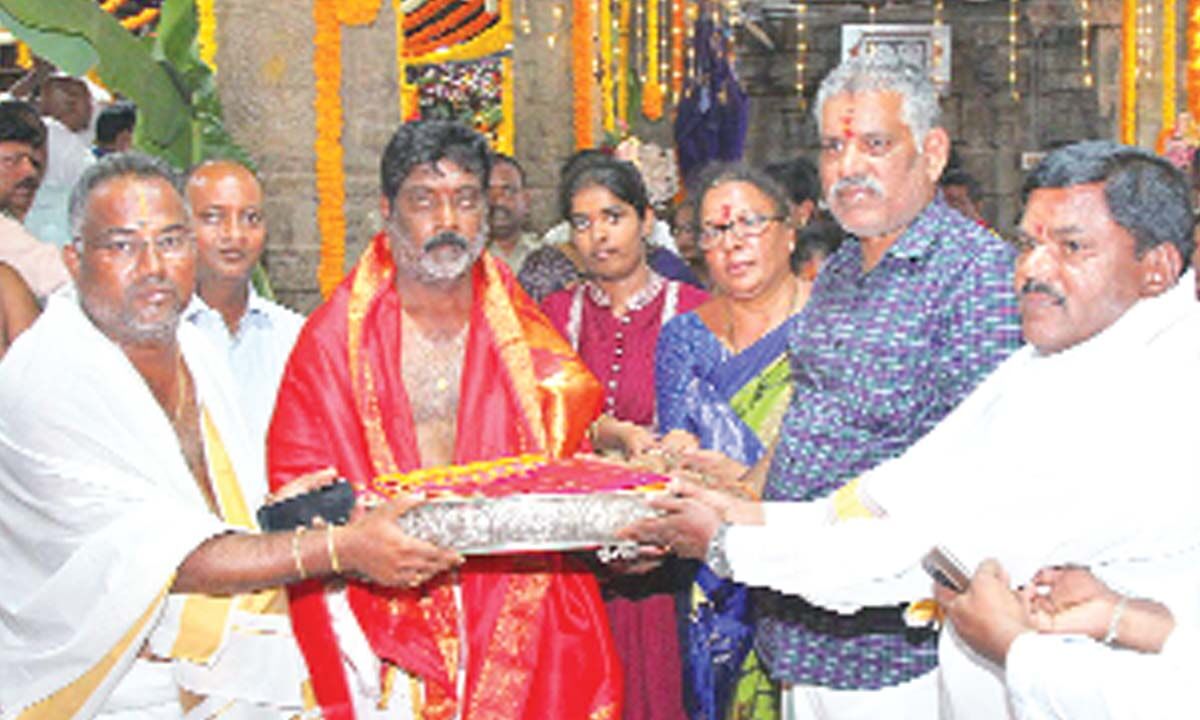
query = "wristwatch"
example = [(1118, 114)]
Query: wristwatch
[(715, 557)]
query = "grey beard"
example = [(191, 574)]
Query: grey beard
[(425, 267)]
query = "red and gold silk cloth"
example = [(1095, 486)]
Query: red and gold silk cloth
[(538, 641)]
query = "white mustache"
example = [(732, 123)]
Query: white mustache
[(864, 182)]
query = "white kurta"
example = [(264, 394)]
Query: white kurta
[(1083, 456), (100, 509), (1064, 677)]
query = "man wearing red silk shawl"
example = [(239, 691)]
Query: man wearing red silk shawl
[(428, 354)]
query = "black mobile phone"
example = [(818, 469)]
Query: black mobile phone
[(946, 569), (332, 503)]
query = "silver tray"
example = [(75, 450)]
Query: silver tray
[(528, 522)]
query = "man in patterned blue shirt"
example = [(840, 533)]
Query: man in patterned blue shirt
[(913, 310)]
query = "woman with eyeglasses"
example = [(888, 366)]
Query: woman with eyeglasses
[(613, 320), (723, 382)]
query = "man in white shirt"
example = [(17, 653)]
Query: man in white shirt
[(66, 106), (1077, 449), (255, 334)]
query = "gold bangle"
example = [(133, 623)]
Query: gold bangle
[(296, 552), (334, 565)]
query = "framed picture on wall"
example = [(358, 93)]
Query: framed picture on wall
[(926, 46)]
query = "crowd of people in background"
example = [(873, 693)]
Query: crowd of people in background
[(844, 362)]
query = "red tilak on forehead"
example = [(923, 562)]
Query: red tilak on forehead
[(726, 212), (848, 123)]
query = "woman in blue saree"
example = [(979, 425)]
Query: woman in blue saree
[(722, 385)]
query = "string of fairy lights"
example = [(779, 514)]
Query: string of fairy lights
[(657, 21)]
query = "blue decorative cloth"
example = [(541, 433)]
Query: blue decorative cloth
[(879, 358), (713, 111)]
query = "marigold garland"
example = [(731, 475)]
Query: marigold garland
[(506, 142), (141, 20), (652, 96), (357, 12), (1193, 58), (581, 72), (1128, 120), (677, 54), (1170, 56), (111, 6), (608, 112), (206, 32), (624, 16), (330, 177)]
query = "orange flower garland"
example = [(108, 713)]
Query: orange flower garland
[(142, 19), (357, 12), (652, 95), (581, 72), (1193, 57), (677, 36), (331, 181), (111, 6), (608, 112), (623, 64), (1128, 119), (1170, 57)]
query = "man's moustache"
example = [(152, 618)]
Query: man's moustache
[(1031, 286), (858, 182), (445, 238)]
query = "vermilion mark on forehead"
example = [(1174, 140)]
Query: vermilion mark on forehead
[(143, 203), (726, 212), (848, 123)]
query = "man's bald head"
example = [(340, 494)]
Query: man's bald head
[(227, 210)]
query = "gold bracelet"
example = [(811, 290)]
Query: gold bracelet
[(296, 552), (334, 565)]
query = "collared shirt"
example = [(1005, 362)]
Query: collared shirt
[(878, 358), (69, 154), (526, 243), (257, 353)]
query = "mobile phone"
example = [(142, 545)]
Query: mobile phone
[(946, 569), (332, 503)]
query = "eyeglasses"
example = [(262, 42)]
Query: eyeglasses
[(126, 249), (746, 227)]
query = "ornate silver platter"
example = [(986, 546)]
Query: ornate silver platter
[(526, 522)]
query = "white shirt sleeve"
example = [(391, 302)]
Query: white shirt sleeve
[(1068, 677), (844, 566)]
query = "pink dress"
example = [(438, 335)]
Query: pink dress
[(620, 352)]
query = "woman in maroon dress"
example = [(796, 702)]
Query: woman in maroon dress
[(613, 319)]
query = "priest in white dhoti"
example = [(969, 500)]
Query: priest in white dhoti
[(1078, 449), (135, 580)]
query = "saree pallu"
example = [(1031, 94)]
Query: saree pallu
[(735, 408)]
